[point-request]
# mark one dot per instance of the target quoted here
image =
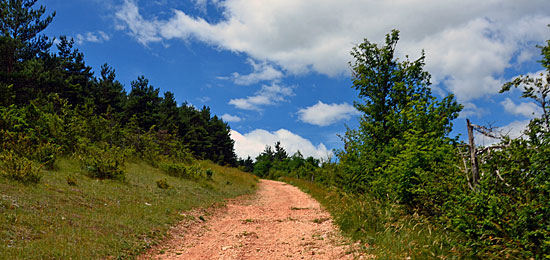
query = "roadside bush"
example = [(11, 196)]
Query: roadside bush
[(71, 180), (163, 184), (209, 172), (180, 170), (103, 163), (46, 154), (175, 169), (19, 168), (196, 172)]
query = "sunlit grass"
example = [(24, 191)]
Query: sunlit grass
[(97, 219), (385, 231)]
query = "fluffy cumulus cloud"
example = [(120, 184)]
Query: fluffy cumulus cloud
[(253, 143), (526, 109), (267, 95), (471, 110), (132, 21), (95, 37), (262, 72), (322, 114), (469, 44), (231, 118)]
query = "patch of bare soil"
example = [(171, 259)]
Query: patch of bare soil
[(279, 222)]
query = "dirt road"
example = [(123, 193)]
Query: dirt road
[(279, 222)]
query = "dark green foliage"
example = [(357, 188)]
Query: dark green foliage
[(76, 78), (29, 132), (401, 143), (509, 216), (246, 165), (209, 172), (20, 46), (59, 102), (20, 25), (107, 93), (143, 103), (275, 163)]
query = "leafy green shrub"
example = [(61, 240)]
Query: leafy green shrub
[(209, 173), (175, 169), (106, 163), (31, 132), (71, 180), (180, 170), (19, 168), (196, 172), (163, 184), (46, 154)]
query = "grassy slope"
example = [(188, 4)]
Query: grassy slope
[(384, 231), (102, 218)]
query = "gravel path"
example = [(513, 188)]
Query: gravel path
[(279, 222)]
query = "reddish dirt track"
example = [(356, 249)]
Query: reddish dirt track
[(278, 222)]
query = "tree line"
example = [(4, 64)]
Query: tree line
[(52, 102)]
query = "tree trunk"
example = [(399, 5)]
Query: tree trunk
[(473, 156)]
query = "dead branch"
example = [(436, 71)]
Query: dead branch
[(500, 177)]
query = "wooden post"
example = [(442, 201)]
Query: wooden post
[(473, 156)]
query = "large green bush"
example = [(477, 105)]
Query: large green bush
[(103, 162), (181, 170), (19, 168)]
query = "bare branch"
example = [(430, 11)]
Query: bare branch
[(500, 177), (489, 148)]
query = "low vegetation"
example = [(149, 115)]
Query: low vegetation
[(69, 215), (385, 231)]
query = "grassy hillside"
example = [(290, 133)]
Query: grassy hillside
[(103, 218)]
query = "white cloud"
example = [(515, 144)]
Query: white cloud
[(262, 72), (201, 5), (470, 59), (253, 143), (468, 43), (471, 110), (97, 37), (322, 114), (204, 99), (526, 109), (142, 30), (267, 95), (231, 118)]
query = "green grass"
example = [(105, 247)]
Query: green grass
[(97, 219), (385, 231)]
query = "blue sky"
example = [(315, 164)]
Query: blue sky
[(278, 70)]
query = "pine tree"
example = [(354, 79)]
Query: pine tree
[(143, 103), (20, 26), (108, 92), (20, 45)]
